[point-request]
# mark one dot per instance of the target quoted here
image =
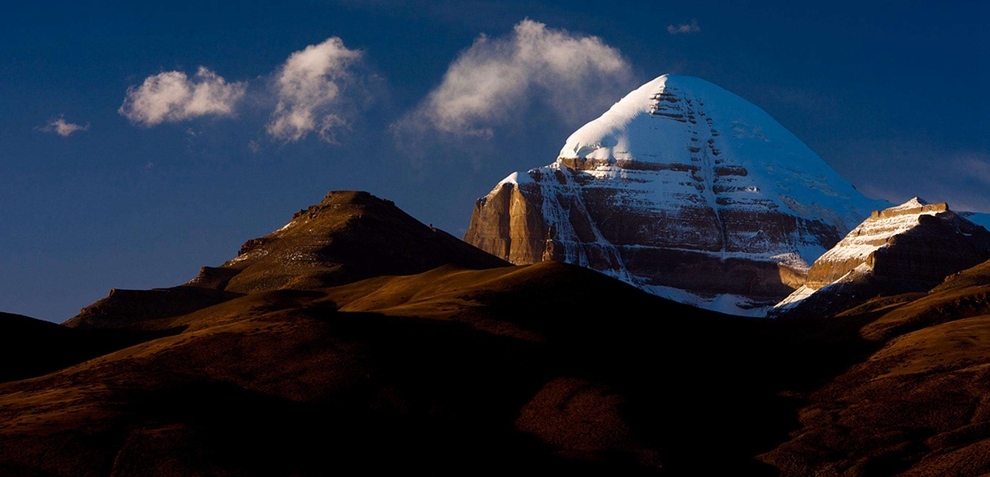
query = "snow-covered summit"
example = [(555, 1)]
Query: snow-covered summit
[(911, 204), (678, 119), (622, 127)]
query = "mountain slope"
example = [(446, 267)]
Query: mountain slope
[(348, 236), (682, 189)]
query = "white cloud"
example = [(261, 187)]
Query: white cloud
[(308, 87), (495, 80), (172, 96), (58, 125), (684, 28)]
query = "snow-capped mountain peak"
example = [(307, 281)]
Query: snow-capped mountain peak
[(681, 188)]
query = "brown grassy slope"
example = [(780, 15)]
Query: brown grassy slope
[(348, 236), (978, 275), (919, 405), (547, 367)]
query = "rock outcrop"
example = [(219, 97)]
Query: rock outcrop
[(908, 248), (682, 189)]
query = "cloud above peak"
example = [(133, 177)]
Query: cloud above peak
[(491, 83), (308, 87), (60, 126), (172, 96)]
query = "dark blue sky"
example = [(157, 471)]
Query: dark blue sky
[(893, 96)]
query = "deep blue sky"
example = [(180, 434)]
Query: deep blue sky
[(893, 96)]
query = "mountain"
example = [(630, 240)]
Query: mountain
[(908, 248), (682, 189), (348, 236)]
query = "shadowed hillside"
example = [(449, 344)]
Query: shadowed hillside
[(920, 405), (31, 347), (547, 366)]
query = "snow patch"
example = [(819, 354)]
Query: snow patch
[(793, 261), (792, 300), (516, 178), (722, 303)]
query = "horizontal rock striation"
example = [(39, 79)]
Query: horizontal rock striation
[(908, 248)]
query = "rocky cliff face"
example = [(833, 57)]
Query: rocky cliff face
[(908, 248), (683, 189)]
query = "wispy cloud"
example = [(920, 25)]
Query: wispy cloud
[(684, 28), (172, 96), (308, 87), (60, 126), (974, 167), (491, 83), (959, 177)]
